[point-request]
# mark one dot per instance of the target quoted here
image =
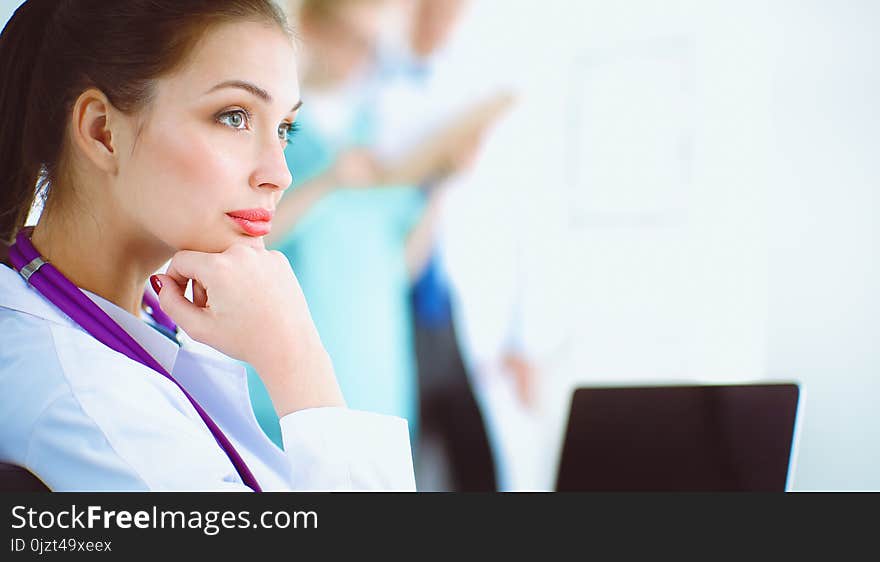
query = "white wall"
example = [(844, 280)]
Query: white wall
[(824, 282), (751, 257)]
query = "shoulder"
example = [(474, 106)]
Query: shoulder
[(30, 371), (76, 412), (42, 357)]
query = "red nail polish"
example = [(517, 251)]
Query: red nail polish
[(156, 283)]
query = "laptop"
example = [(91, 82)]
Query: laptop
[(701, 438)]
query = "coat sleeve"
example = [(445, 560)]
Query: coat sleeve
[(335, 449), (322, 449)]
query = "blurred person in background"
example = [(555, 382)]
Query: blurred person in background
[(454, 452), (350, 226), (421, 93)]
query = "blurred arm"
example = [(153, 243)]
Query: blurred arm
[(421, 239), (449, 149), (355, 167)]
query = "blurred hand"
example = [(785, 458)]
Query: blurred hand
[(247, 303), (462, 146), (524, 378), (463, 154), (356, 167)]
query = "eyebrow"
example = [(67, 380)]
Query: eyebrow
[(252, 88)]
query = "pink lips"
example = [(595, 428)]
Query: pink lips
[(253, 222)]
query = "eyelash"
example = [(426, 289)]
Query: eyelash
[(292, 128)]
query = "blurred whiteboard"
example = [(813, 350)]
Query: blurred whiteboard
[(630, 146)]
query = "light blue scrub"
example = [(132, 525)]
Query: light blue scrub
[(348, 253)]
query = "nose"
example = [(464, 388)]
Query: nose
[(271, 171)]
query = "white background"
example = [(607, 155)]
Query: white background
[(694, 192)]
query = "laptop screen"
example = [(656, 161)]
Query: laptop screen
[(679, 438)]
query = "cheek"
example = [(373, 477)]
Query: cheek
[(191, 178), (195, 167)]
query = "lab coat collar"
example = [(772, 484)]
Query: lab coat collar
[(16, 294)]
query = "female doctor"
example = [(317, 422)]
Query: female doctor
[(156, 130)]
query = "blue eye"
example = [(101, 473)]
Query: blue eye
[(287, 131), (236, 119)]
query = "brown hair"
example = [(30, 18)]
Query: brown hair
[(53, 50), (322, 10)]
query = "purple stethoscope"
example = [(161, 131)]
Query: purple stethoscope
[(58, 290)]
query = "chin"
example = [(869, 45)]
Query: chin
[(220, 240), (212, 244), (253, 242)]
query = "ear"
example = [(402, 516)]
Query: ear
[(92, 127)]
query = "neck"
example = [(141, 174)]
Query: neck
[(103, 257)]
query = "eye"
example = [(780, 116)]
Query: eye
[(237, 119), (286, 131)]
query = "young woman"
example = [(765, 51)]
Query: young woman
[(156, 130)]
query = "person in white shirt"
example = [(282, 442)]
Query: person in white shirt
[(468, 325), (156, 131)]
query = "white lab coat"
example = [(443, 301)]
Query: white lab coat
[(84, 417)]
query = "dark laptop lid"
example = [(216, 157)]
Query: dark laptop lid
[(679, 438)]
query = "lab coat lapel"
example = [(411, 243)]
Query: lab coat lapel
[(219, 385)]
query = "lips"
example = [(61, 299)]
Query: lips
[(254, 215), (253, 222)]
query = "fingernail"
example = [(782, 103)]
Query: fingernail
[(156, 283)]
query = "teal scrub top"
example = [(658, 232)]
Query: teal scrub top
[(348, 253)]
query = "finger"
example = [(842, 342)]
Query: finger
[(200, 295), (174, 303), (186, 265), (525, 390)]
